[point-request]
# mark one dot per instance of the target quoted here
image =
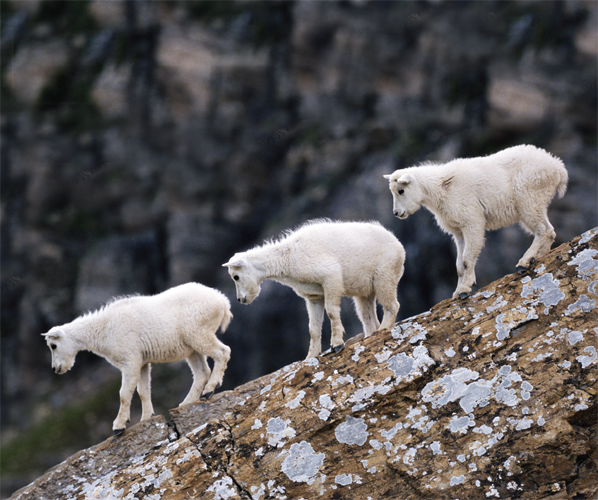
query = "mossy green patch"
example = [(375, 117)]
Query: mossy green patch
[(69, 428)]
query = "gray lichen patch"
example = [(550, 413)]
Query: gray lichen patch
[(435, 447), (547, 289), (465, 386), (587, 265), (411, 330), (499, 303), (588, 235), (584, 304), (277, 430), (222, 489), (484, 293), (358, 349), (407, 367), (449, 388), (302, 462), (296, 401), (391, 433), (587, 360), (101, 487), (401, 364), (574, 337), (507, 322), (419, 420), (327, 405), (352, 431), (526, 386), (461, 424), (343, 479), (476, 394), (363, 395), (457, 479)]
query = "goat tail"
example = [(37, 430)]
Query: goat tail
[(228, 316), (562, 187)]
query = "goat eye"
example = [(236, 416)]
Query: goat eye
[(236, 277), (401, 191), (52, 346)]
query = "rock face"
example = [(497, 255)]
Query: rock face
[(490, 397)]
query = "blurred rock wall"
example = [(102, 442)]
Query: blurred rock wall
[(145, 142)]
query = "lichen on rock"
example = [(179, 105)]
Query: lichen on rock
[(491, 400)]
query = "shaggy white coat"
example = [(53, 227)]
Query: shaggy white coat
[(132, 332), (470, 195), (323, 261)]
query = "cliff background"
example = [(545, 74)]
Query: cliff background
[(145, 142)]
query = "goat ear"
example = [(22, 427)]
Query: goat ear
[(234, 262), (405, 179), (387, 176), (53, 334)]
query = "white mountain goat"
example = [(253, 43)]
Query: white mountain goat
[(132, 332), (323, 261), (470, 195)]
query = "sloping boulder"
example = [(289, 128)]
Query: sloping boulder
[(489, 397)]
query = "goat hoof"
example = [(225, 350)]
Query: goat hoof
[(339, 348), (118, 432), (207, 395), (463, 295), (521, 269)]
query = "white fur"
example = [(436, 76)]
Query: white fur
[(132, 332), (323, 261), (470, 195)]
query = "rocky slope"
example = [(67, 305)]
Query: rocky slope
[(490, 397), (143, 143)]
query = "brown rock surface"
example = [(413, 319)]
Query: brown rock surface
[(490, 397)]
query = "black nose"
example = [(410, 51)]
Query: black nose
[(239, 299), (396, 212)]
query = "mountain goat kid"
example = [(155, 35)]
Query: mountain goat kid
[(470, 195), (132, 332), (323, 261)]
